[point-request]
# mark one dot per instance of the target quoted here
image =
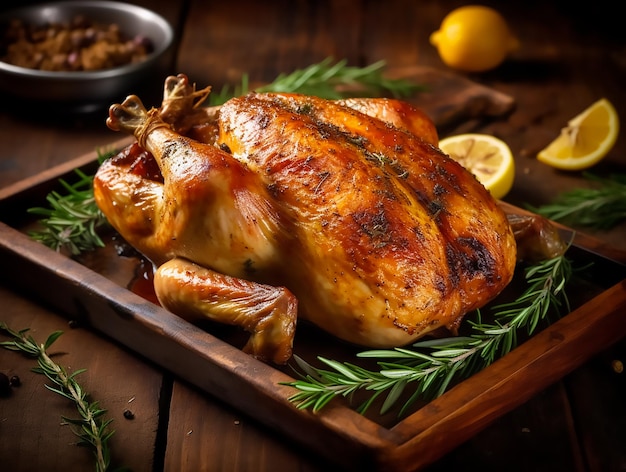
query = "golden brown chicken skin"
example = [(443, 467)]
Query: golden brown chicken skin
[(309, 208), (396, 237), (396, 113)]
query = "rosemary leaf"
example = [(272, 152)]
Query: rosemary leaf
[(51, 339), (394, 394), (89, 428), (347, 371), (434, 365), (600, 206)]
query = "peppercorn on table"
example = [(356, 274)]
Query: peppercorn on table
[(168, 413)]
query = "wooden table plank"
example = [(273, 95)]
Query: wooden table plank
[(32, 415), (597, 394), (203, 432), (571, 57), (263, 39), (523, 434)]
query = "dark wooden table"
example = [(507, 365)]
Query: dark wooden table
[(570, 56)]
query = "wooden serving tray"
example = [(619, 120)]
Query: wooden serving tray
[(96, 294)]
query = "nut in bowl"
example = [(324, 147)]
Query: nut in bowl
[(60, 79)]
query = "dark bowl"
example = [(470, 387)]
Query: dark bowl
[(87, 90)]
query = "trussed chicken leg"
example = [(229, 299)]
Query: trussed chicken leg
[(168, 222), (268, 313)]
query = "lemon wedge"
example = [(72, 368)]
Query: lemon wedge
[(487, 157), (586, 139)]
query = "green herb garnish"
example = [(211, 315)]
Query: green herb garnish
[(72, 219), (602, 206), (436, 364), (329, 81), (92, 429)]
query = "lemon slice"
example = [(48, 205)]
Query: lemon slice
[(585, 140), (485, 156)]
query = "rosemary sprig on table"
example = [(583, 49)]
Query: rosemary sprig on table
[(92, 429), (72, 219), (436, 364), (330, 81), (601, 206)]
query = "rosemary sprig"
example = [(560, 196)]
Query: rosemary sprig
[(91, 428), (434, 365), (72, 219), (601, 207), (227, 92), (330, 81)]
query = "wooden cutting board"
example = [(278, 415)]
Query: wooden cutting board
[(450, 98)]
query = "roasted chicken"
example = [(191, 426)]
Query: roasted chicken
[(280, 206)]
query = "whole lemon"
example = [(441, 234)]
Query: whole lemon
[(473, 38)]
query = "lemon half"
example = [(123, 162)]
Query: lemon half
[(487, 157), (586, 139)]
